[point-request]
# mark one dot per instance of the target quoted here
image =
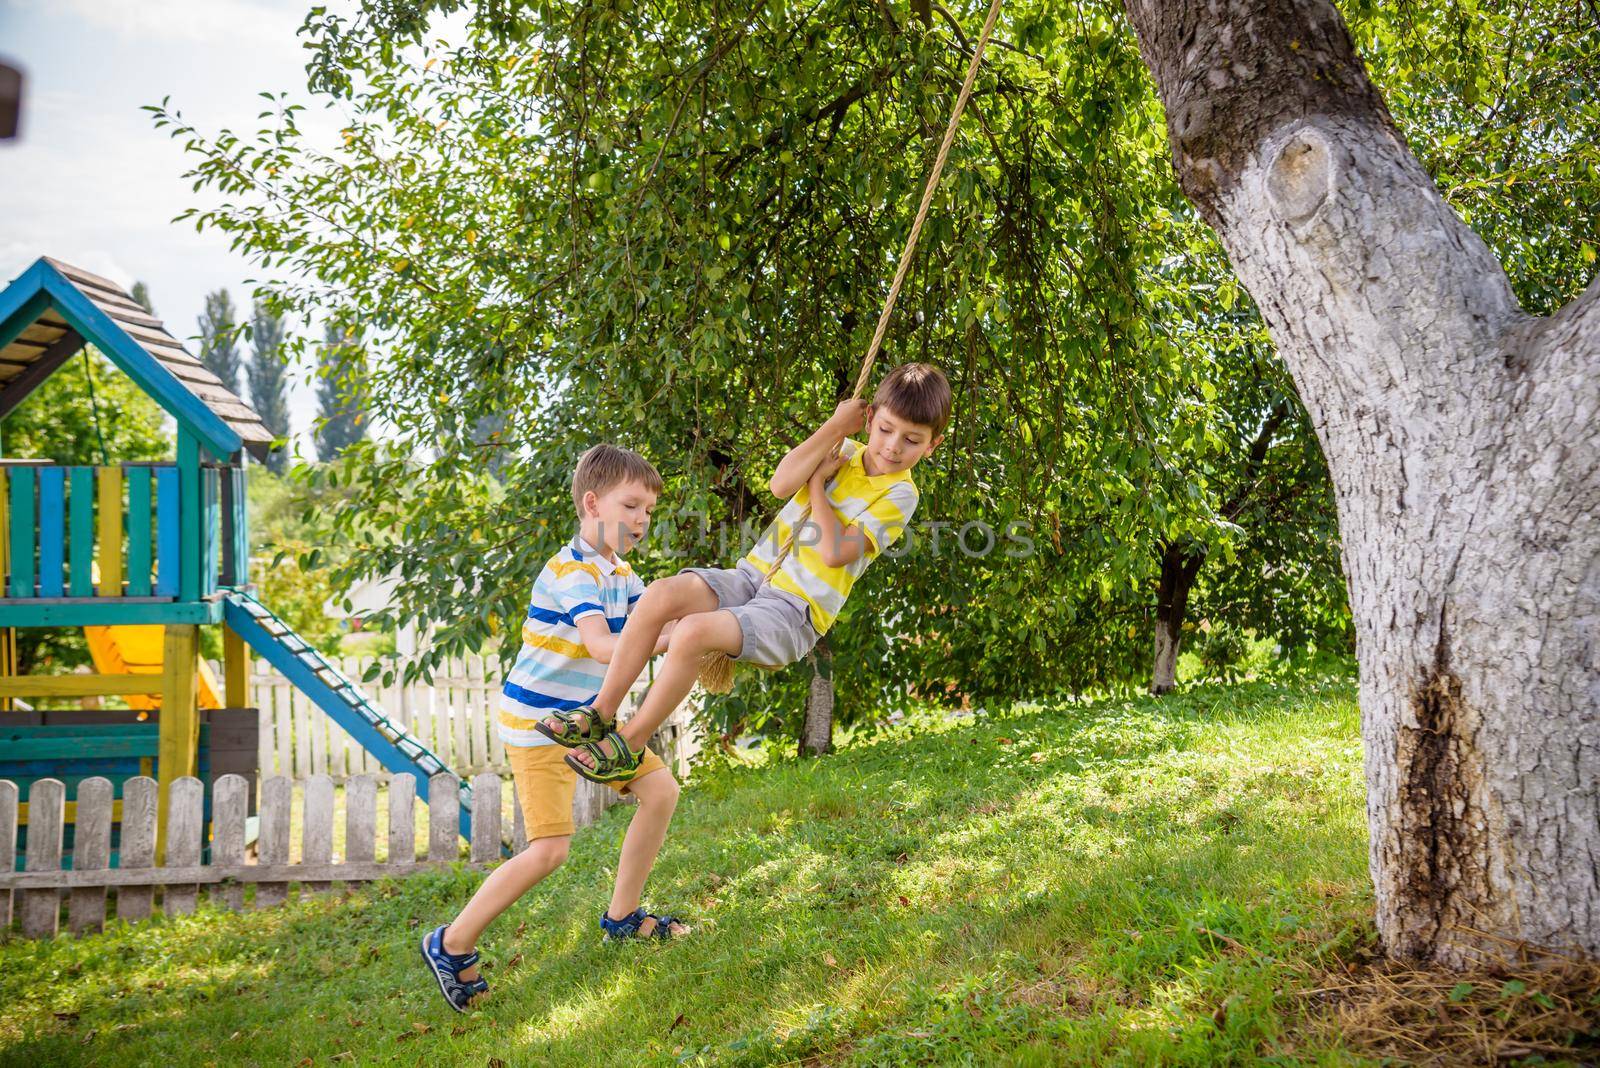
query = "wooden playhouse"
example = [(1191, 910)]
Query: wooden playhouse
[(143, 555)]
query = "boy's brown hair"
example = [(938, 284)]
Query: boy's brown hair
[(917, 393), (605, 466)]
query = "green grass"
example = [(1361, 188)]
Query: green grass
[(1133, 882)]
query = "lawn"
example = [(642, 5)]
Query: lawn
[(1136, 882)]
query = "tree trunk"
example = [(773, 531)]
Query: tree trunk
[(816, 735), (1460, 435), (1180, 563)]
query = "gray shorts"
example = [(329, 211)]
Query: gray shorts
[(776, 624)]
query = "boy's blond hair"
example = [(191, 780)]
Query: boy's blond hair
[(918, 393), (605, 466)]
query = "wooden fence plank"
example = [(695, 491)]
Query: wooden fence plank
[(282, 725), (46, 816), (138, 849), (316, 843), (460, 728), (443, 806), (354, 763), (485, 817), (91, 851), (361, 820), (8, 848), (230, 803), (41, 909), (185, 817), (277, 794), (299, 715), (519, 829), (264, 735), (423, 700), (402, 819), (481, 725), (316, 724)]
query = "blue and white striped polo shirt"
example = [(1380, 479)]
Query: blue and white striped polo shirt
[(554, 670)]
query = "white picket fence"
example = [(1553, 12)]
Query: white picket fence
[(454, 717)]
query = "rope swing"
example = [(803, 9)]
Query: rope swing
[(716, 669)]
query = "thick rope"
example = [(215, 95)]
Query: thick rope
[(716, 669)]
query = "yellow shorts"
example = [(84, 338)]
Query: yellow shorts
[(545, 785)]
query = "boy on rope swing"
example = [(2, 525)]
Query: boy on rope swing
[(579, 603), (783, 596)]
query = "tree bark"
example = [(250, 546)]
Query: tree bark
[(816, 735), (1180, 563), (1460, 435)]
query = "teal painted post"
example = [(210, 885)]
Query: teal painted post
[(210, 487), (22, 532), (169, 516), (80, 559), (138, 531), (190, 515), (52, 530), (240, 528)]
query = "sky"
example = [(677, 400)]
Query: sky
[(92, 182)]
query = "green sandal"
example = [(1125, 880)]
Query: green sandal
[(563, 727), (614, 759)]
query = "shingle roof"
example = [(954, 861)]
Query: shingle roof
[(50, 339)]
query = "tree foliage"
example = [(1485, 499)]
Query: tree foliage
[(341, 392), (672, 226)]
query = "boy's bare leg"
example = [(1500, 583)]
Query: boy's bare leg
[(663, 601), (658, 797), (503, 886), (694, 636)]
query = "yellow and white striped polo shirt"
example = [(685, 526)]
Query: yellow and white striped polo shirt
[(881, 505)]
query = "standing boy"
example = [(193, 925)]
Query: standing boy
[(579, 605)]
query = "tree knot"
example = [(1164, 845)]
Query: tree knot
[(1300, 178)]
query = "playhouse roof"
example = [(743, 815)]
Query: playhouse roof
[(53, 309)]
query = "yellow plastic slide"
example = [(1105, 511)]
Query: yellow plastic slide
[(135, 649)]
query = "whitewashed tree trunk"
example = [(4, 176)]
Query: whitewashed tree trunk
[(1463, 438), (816, 734), (1180, 563)]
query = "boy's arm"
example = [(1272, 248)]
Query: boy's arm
[(597, 637), (796, 469), (601, 643), (838, 545)]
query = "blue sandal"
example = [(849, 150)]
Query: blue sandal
[(628, 927), (447, 969)]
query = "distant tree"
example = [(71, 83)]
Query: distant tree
[(268, 364), (341, 392), (141, 296), (219, 344)]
